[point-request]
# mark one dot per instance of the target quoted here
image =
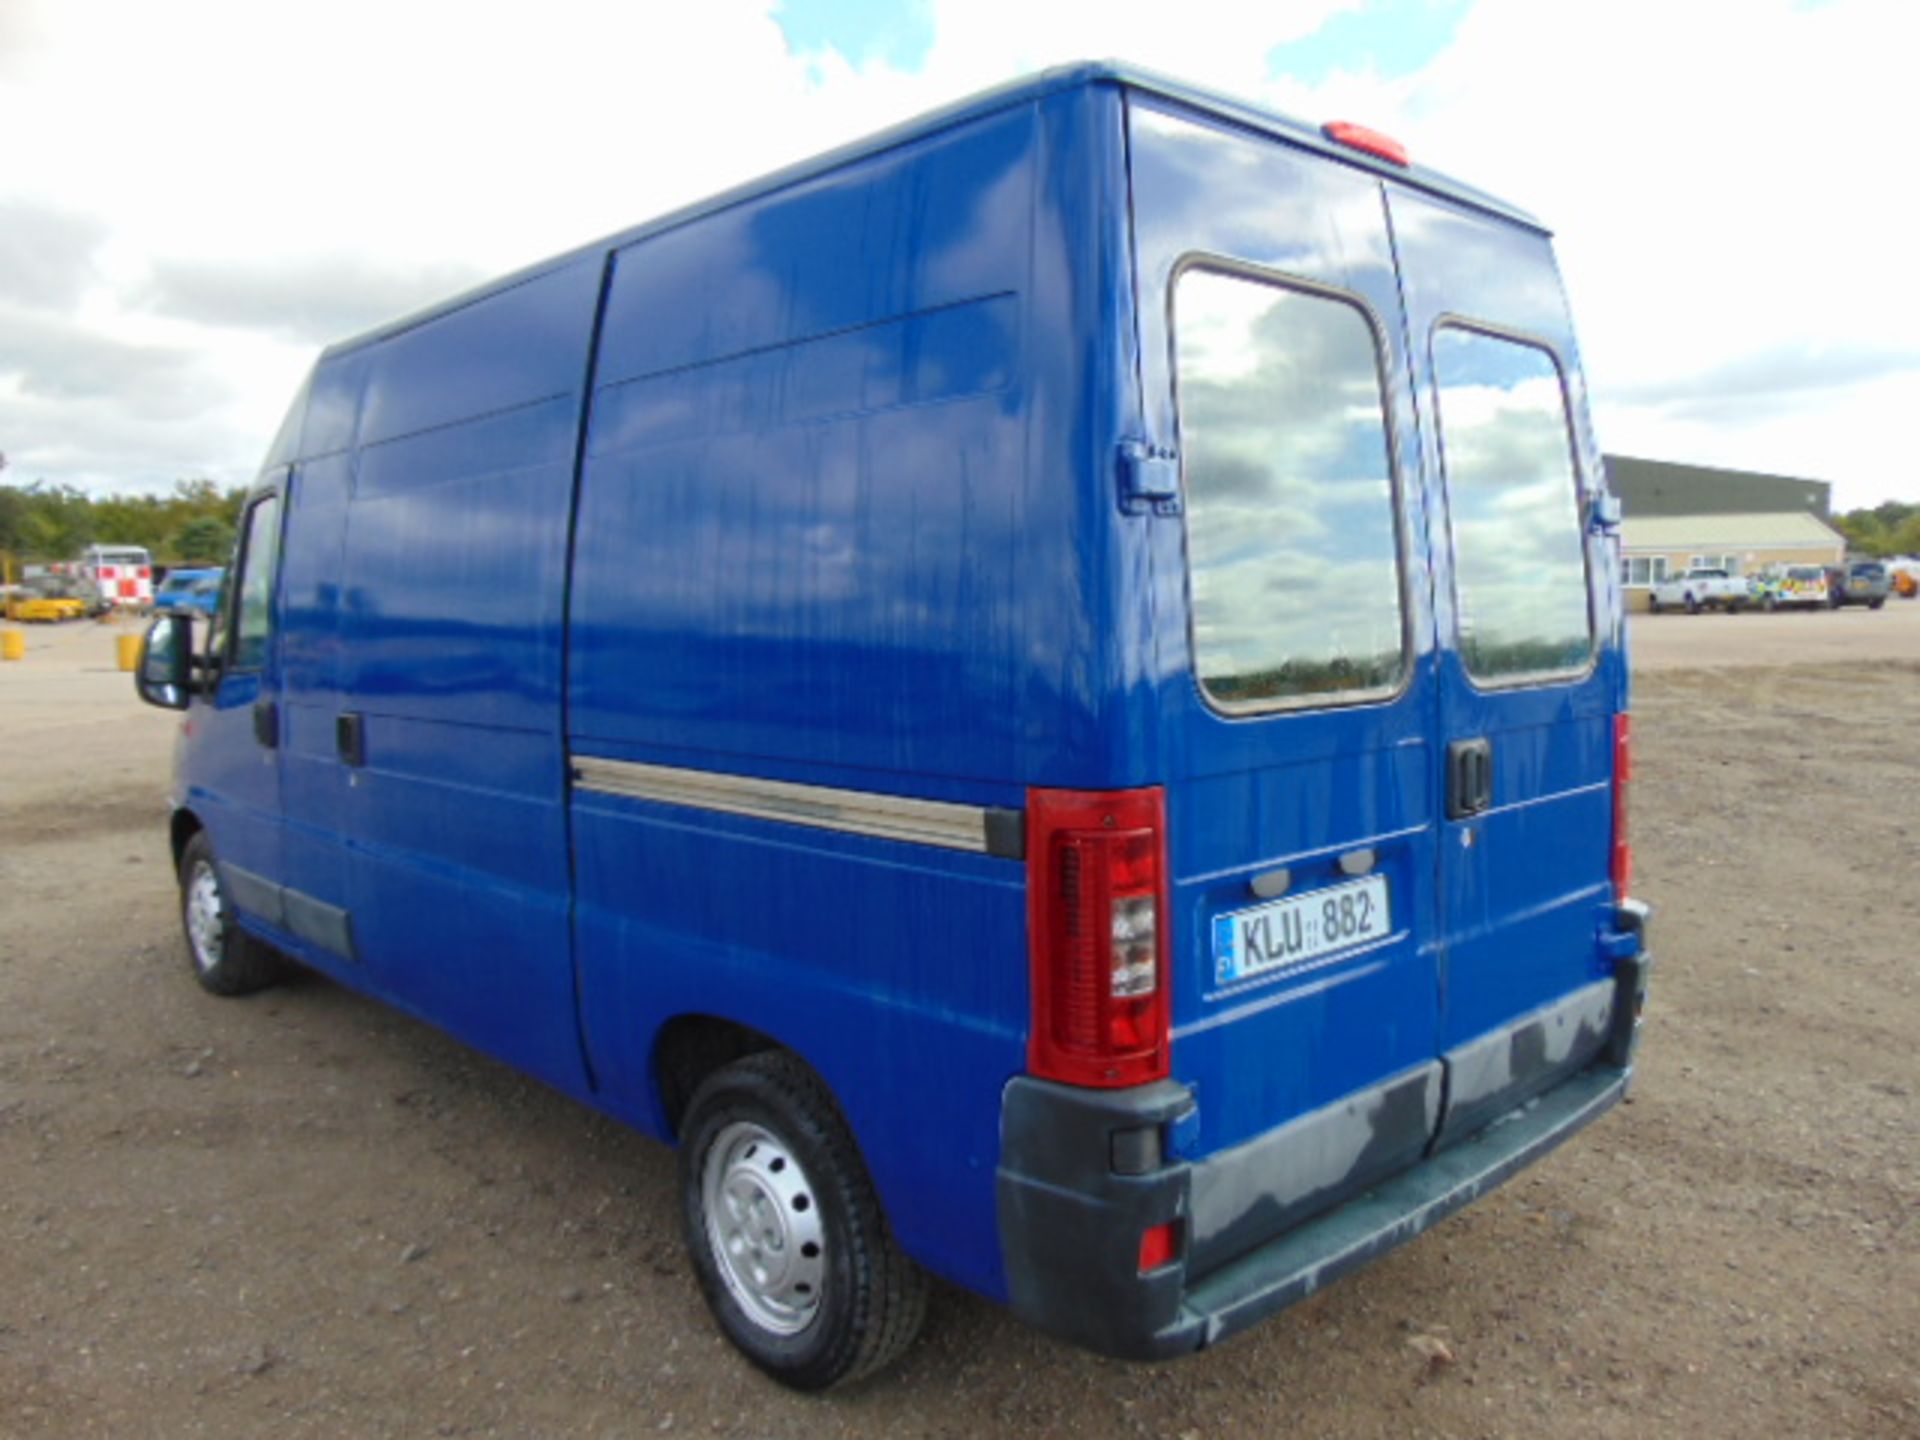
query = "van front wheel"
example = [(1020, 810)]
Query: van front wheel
[(226, 960), (786, 1234)]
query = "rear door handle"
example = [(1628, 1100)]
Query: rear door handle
[(1469, 777), (350, 737), (266, 723)]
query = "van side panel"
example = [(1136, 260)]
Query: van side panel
[(451, 651), (805, 528), (812, 548)]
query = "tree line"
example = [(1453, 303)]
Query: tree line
[(1889, 528), (192, 525)]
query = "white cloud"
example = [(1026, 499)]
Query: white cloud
[(1722, 174), (390, 151), (1719, 177)]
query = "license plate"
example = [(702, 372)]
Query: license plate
[(1289, 932)]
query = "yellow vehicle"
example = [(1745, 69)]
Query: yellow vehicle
[(46, 602), (1906, 584)]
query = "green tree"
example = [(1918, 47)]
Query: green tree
[(1890, 528), (15, 520), (59, 522), (203, 539), (130, 520), (55, 522)]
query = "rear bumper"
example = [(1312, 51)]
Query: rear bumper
[(1083, 1176), (1299, 1263)]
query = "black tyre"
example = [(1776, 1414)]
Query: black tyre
[(786, 1234), (1876, 604), (225, 959)]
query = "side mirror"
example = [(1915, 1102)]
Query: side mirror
[(164, 676)]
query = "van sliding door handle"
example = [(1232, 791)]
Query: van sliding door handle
[(350, 737), (1469, 777), (266, 723)]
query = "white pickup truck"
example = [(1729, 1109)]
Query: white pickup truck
[(1697, 590)]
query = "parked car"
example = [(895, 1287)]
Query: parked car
[(1903, 576), (1788, 587), (48, 598), (912, 682), (1698, 590), (192, 590), (1859, 582)]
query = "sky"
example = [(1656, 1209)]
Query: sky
[(197, 196)]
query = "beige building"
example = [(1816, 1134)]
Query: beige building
[(1689, 517), (1655, 546)]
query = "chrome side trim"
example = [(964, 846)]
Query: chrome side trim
[(859, 812)]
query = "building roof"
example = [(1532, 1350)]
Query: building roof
[(1780, 529), (1659, 487)]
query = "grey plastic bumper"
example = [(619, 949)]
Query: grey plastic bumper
[(1071, 1221), (1293, 1267)]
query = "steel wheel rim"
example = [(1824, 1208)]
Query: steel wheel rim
[(206, 916), (764, 1228)]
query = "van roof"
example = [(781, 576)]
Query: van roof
[(985, 102)]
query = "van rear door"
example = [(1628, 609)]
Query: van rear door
[(1528, 667), (1299, 706)]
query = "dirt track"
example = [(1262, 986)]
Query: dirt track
[(304, 1215)]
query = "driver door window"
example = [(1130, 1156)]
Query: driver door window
[(251, 612)]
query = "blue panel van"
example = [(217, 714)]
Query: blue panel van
[(1042, 695)]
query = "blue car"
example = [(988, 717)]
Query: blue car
[(1043, 695), (190, 591)]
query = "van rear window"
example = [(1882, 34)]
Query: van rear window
[(1519, 558), (1292, 543)]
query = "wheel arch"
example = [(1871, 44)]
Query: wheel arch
[(181, 829), (689, 1047)]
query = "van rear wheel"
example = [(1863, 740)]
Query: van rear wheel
[(786, 1234), (226, 960)]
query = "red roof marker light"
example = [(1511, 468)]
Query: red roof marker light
[(1359, 137)]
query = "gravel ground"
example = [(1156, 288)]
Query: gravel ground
[(303, 1215), (1689, 642)]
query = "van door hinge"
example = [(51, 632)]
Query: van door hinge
[(1603, 514), (1149, 478)]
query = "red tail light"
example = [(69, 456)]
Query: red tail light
[(1096, 936), (1622, 867)]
